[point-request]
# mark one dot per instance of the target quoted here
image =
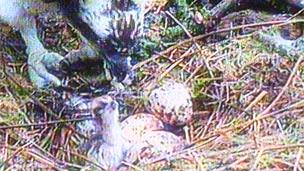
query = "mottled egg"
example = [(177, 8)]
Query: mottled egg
[(135, 126), (171, 102), (155, 144), (163, 142)]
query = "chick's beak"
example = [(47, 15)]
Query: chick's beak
[(114, 105)]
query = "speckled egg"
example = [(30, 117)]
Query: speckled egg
[(163, 142), (171, 102), (135, 126), (155, 144)]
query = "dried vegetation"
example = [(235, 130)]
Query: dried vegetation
[(248, 99)]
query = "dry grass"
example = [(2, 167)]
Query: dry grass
[(248, 102)]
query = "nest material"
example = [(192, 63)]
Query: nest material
[(233, 84)]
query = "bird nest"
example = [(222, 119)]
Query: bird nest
[(247, 100)]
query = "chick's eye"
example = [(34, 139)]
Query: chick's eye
[(95, 111), (98, 110)]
